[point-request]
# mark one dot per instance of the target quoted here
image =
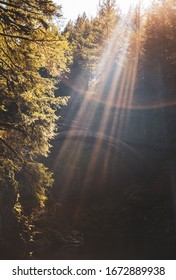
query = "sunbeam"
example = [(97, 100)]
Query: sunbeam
[(116, 76), (87, 109), (126, 91), (110, 94)]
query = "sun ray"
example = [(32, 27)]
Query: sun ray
[(107, 110), (115, 98)]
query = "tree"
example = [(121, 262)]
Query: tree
[(106, 20), (80, 35), (89, 37), (159, 54), (33, 57)]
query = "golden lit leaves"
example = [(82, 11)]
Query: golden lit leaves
[(33, 57)]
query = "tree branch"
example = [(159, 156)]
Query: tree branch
[(11, 149), (3, 61), (9, 4), (26, 38), (17, 7), (10, 59), (12, 126)]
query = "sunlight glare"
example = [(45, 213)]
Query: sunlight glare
[(71, 9), (125, 5), (116, 91)]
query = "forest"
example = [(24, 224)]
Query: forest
[(87, 132)]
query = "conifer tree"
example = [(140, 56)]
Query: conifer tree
[(106, 20), (159, 53), (89, 37), (33, 57)]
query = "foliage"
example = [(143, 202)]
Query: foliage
[(105, 22), (89, 38), (33, 57), (158, 63)]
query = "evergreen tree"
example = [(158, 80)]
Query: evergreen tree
[(33, 57), (81, 36), (159, 53), (106, 20), (89, 37)]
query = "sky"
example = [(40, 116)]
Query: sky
[(71, 8)]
